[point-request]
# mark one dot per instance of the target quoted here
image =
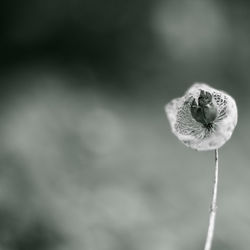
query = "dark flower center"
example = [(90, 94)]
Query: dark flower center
[(205, 111)]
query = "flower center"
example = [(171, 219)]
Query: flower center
[(205, 111)]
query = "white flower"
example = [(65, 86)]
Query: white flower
[(204, 118)]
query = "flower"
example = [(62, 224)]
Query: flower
[(204, 118)]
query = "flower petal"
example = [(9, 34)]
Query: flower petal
[(192, 133)]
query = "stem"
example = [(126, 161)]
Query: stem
[(210, 232)]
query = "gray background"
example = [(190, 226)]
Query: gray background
[(88, 161)]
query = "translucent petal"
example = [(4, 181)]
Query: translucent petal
[(194, 134)]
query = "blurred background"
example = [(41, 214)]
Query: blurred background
[(88, 161)]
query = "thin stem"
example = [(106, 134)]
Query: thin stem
[(210, 232)]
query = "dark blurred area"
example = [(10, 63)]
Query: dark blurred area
[(87, 158), (130, 45)]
